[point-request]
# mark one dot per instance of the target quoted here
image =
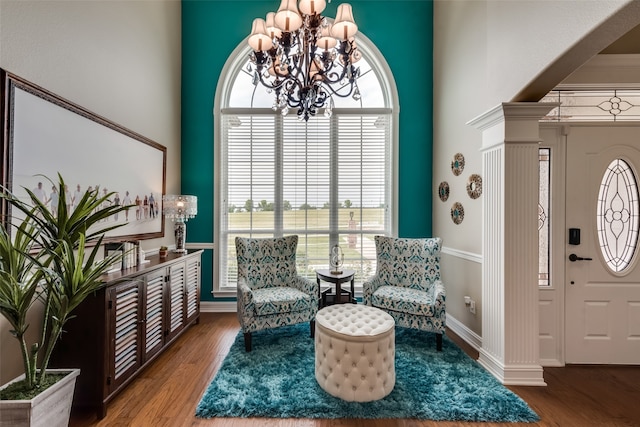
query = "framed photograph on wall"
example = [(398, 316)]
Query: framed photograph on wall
[(44, 134)]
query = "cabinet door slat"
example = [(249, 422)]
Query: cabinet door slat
[(176, 315), (192, 284), (153, 337), (126, 334)]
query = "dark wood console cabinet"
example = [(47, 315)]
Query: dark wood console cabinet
[(126, 324)]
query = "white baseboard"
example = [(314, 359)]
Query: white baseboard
[(551, 363), (218, 306), (512, 374), (470, 337)]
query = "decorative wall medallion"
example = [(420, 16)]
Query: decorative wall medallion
[(457, 165), (457, 213), (443, 191), (474, 186)]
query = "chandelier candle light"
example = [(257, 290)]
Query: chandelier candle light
[(180, 209), (304, 58)]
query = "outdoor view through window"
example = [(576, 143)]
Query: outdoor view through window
[(328, 179)]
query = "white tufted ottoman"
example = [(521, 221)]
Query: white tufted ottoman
[(355, 352)]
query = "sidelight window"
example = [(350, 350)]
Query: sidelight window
[(544, 204)]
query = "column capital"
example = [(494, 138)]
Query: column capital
[(511, 123)]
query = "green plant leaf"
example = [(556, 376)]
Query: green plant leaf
[(47, 260)]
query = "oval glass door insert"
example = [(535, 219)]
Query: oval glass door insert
[(617, 215)]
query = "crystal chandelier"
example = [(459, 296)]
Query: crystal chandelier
[(305, 59)]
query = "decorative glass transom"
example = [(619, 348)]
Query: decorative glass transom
[(608, 105), (617, 215)]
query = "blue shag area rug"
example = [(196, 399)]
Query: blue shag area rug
[(277, 380)]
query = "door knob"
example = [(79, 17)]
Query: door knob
[(574, 258)]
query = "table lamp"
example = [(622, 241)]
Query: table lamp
[(179, 209)]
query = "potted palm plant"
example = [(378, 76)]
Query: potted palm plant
[(49, 258)]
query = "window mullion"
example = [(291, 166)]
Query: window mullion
[(306, 177), (251, 150), (334, 193), (278, 178)]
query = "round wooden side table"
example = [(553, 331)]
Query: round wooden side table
[(340, 296)]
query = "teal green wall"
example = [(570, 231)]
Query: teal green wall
[(402, 31)]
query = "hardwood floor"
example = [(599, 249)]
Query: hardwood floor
[(167, 392)]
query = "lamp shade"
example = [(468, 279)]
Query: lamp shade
[(287, 18), (312, 7), (327, 41), (344, 26), (258, 39), (272, 30), (179, 207)]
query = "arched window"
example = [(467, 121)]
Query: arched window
[(329, 180)]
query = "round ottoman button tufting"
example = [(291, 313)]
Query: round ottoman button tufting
[(364, 338)]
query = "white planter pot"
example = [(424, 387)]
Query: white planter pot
[(51, 408)]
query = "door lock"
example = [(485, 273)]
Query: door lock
[(574, 258)]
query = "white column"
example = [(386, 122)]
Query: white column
[(510, 137)]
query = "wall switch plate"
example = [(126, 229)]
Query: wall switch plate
[(472, 307)]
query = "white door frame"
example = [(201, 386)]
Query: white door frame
[(552, 299)]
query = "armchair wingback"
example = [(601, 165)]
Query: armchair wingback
[(270, 292), (407, 283)]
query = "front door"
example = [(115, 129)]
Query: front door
[(602, 271)]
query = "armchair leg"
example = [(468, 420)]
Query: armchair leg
[(439, 342), (247, 341), (312, 326)]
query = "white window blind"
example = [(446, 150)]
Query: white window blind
[(328, 180)]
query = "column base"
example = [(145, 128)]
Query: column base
[(529, 375)]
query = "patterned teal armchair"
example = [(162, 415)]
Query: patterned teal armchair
[(270, 292), (407, 284)]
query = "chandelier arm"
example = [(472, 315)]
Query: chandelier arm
[(275, 85), (303, 74), (262, 61), (341, 95), (332, 77), (290, 92), (321, 97)]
